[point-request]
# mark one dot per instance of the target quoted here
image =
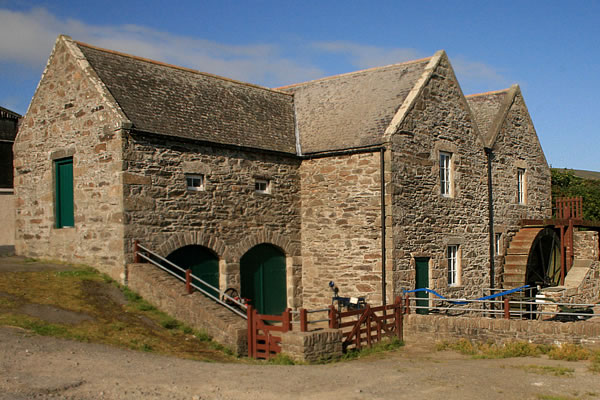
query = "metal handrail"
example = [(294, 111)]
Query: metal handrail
[(210, 295), (534, 302)]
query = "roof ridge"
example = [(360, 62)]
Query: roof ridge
[(488, 93), (195, 71), (353, 73)]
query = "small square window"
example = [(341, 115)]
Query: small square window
[(453, 258), (195, 182), (262, 186)]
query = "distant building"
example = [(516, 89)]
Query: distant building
[(9, 122)]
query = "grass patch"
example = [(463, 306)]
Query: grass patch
[(281, 359), (569, 352), (383, 346), (548, 370), (136, 324), (552, 397), (493, 350)]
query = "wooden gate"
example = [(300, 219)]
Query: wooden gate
[(368, 325), (264, 333)]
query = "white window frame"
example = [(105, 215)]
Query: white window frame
[(445, 162), (453, 258), (498, 244), (262, 186), (194, 182), (521, 186)]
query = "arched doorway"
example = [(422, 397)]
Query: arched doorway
[(263, 279), (203, 263)]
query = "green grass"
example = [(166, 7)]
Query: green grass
[(548, 370), (378, 348)]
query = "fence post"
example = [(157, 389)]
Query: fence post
[(287, 323), (250, 315), (398, 317), (333, 322), (507, 307), (303, 320), (188, 281), (407, 303), (136, 249)]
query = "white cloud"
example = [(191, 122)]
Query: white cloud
[(28, 37), (364, 56)]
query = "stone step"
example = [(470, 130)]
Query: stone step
[(516, 259), (515, 270)]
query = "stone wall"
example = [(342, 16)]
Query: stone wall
[(430, 327), (7, 218), (341, 227), (312, 346), (70, 115), (517, 146), (198, 311), (228, 216), (424, 221), (585, 245)]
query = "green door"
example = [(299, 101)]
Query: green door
[(422, 281), (64, 193), (203, 263), (263, 279)]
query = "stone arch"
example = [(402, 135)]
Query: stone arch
[(273, 238), (178, 240), (290, 249)]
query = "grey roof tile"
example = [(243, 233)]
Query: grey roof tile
[(169, 100), (351, 110), (485, 108)]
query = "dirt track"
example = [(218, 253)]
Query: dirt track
[(35, 367)]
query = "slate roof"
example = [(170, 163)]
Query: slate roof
[(351, 110), (164, 99), (485, 108)]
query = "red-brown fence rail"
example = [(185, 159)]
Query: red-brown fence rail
[(264, 333), (369, 325)]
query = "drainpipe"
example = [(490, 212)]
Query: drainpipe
[(490, 156), (382, 181)]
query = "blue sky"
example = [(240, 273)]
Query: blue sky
[(550, 48)]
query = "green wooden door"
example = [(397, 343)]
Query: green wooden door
[(263, 279), (203, 263), (64, 208), (422, 281)]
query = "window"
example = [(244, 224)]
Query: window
[(195, 182), (521, 186), (262, 186), (453, 265), (445, 174), (498, 244), (63, 196)]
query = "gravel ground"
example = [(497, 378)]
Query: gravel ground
[(36, 367)]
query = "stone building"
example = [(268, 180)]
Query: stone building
[(9, 122), (380, 180)]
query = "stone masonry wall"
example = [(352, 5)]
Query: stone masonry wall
[(69, 116), (425, 222), (341, 227), (430, 327), (7, 218), (517, 146), (585, 245), (228, 216), (167, 293)]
